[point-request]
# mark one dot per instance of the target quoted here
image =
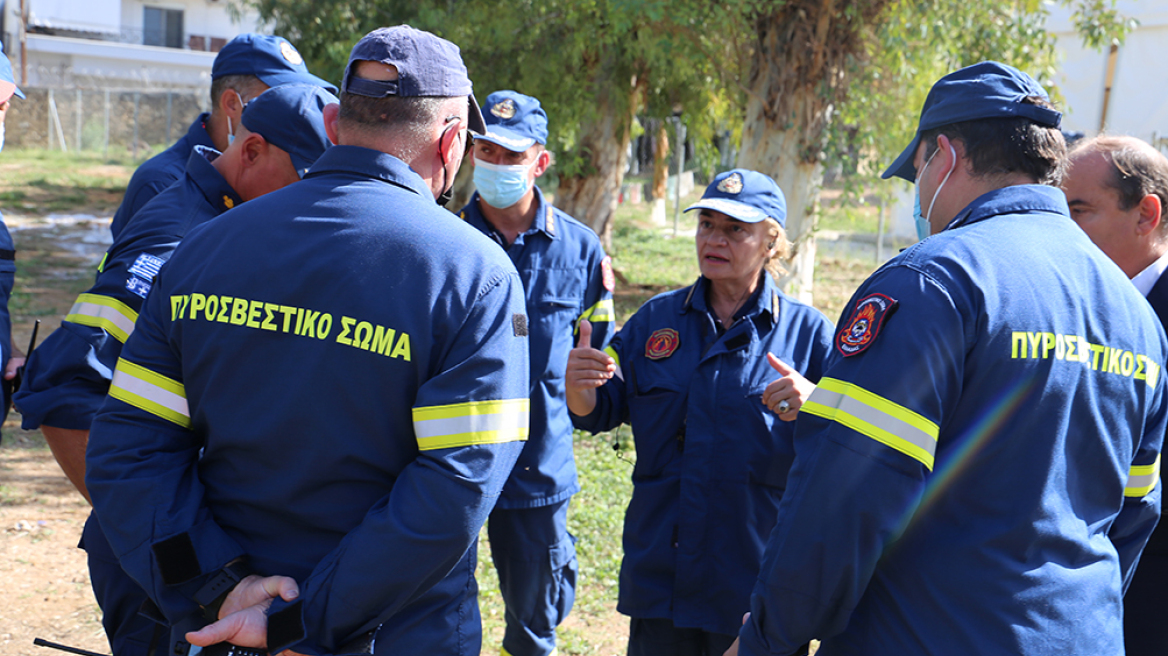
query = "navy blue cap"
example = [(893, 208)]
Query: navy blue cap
[(270, 58), (427, 66), (745, 195), (514, 121), (7, 82), (985, 90), (291, 118)]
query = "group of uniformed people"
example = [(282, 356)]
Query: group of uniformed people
[(299, 387)]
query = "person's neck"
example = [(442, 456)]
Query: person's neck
[(728, 296), (511, 221), (216, 126)]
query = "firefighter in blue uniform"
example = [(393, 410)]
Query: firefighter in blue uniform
[(978, 469), (705, 375), (566, 278), (242, 70), (69, 375), (329, 389), (11, 358)]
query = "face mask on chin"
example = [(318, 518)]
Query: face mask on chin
[(501, 186)]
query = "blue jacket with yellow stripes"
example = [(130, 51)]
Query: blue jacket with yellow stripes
[(977, 471), (68, 375), (7, 281), (566, 278), (711, 458), (159, 172), (349, 360)]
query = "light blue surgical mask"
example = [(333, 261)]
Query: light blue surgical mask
[(501, 186), (1, 135), (924, 228)]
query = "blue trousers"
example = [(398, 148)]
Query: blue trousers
[(120, 598), (659, 637), (535, 557)]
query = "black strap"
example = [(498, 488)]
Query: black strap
[(214, 592), (7, 254)]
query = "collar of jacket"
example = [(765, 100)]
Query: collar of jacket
[(211, 183), (372, 164), (1018, 199), (765, 299)]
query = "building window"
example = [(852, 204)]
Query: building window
[(162, 27)]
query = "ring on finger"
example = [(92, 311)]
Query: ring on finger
[(784, 406)]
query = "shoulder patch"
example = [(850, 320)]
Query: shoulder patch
[(146, 266), (606, 274), (661, 344), (864, 324)]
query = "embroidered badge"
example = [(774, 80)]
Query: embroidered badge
[(505, 109), (228, 202), (290, 54), (662, 343), (606, 273), (519, 324), (731, 185), (146, 266), (138, 286), (864, 324)]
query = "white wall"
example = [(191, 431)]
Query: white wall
[(86, 15), (1138, 104), (202, 17)]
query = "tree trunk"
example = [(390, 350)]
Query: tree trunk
[(806, 53), (592, 198), (660, 161)]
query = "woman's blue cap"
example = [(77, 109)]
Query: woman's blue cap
[(745, 195), (8, 86), (981, 91)]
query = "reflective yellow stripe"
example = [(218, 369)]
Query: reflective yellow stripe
[(875, 417), (151, 392), (101, 265), (611, 352), (602, 312), (1141, 479), (109, 314), (477, 422)]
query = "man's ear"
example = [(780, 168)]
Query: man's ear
[(450, 141), (231, 104), (253, 150), (542, 162), (332, 113), (1150, 214)]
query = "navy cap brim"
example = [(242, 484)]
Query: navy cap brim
[(731, 208), (289, 77), (903, 167), (509, 139)]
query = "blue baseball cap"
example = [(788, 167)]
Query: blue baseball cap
[(270, 58), (514, 121), (291, 118), (8, 86), (985, 90), (748, 196), (427, 66)]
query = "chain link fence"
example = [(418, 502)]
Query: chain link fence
[(110, 120)]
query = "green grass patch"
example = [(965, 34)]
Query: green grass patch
[(49, 181)]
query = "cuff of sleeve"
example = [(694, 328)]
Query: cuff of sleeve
[(285, 625), (590, 421)]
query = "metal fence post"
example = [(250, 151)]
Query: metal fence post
[(137, 100), (105, 143), (168, 115), (77, 123)]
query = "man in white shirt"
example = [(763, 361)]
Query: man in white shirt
[(1117, 190)]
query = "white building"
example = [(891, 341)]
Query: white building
[(1119, 90), (133, 44)]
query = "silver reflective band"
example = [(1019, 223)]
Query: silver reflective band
[(476, 422), (1141, 479), (151, 392), (875, 417), (104, 312)]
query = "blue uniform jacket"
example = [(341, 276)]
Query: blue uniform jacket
[(159, 172), (351, 360), (68, 375), (977, 470), (7, 281), (712, 460), (564, 272)]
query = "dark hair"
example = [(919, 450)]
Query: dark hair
[(415, 115), (247, 86), (1135, 172), (1004, 146)]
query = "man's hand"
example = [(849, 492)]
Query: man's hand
[(588, 368), (243, 618), (257, 589), (14, 363), (786, 395)]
